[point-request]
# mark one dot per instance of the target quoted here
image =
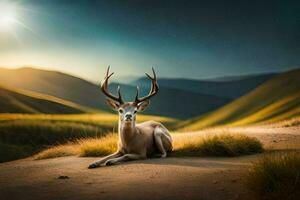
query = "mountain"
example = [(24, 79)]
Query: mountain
[(174, 102), (20, 101), (56, 84), (230, 87), (242, 77), (169, 102), (127, 79), (274, 100)]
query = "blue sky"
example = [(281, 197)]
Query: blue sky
[(195, 39)]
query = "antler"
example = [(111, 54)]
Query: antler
[(104, 88), (153, 91)]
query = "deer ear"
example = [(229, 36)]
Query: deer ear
[(142, 106), (113, 104)]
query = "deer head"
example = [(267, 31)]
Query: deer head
[(128, 110)]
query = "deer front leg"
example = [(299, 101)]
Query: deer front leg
[(103, 160), (125, 157)]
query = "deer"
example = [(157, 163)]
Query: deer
[(136, 141)]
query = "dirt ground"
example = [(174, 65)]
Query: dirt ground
[(170, 178)]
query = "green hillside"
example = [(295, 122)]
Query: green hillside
[(14, 100), (274, 100)]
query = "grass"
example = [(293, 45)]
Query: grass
[(22, 138), (13, 152), (276, 176), (89, 147), (47, 132), (99, 147), (37, 131), (219, 145), (291, 123), (227, 145), (69, 149), (259, 105)]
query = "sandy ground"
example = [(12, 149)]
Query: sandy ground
[(170, 178)]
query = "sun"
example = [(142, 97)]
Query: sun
[(11, 19), (7, 16)]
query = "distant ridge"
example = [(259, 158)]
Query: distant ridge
[(172, 102), (232, 88), (242, 77)]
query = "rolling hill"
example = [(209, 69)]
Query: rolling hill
[(228, 87), (274, 100), (171, 102), (14, 100), (56, 84)]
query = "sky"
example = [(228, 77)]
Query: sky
[(187, 39)]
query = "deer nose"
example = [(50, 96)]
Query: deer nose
[(128, 116)]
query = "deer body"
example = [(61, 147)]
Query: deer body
[(136, 141), (141, 139)]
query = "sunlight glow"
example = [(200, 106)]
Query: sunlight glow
[(8, 16)]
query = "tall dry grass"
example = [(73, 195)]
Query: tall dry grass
[(276, 176), (218, 145), (83, 147), (98, 147), (225, 144)]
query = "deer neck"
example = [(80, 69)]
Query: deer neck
[(126, 131)]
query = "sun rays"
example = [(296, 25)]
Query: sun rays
[(12, 20)]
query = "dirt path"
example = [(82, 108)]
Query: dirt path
[(171, 178)]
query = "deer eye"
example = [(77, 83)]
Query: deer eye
[(121, 111)]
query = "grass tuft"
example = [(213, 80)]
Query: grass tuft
[(69, 149), (99, 147), (83, 147), (276, 176), (228, 145)]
